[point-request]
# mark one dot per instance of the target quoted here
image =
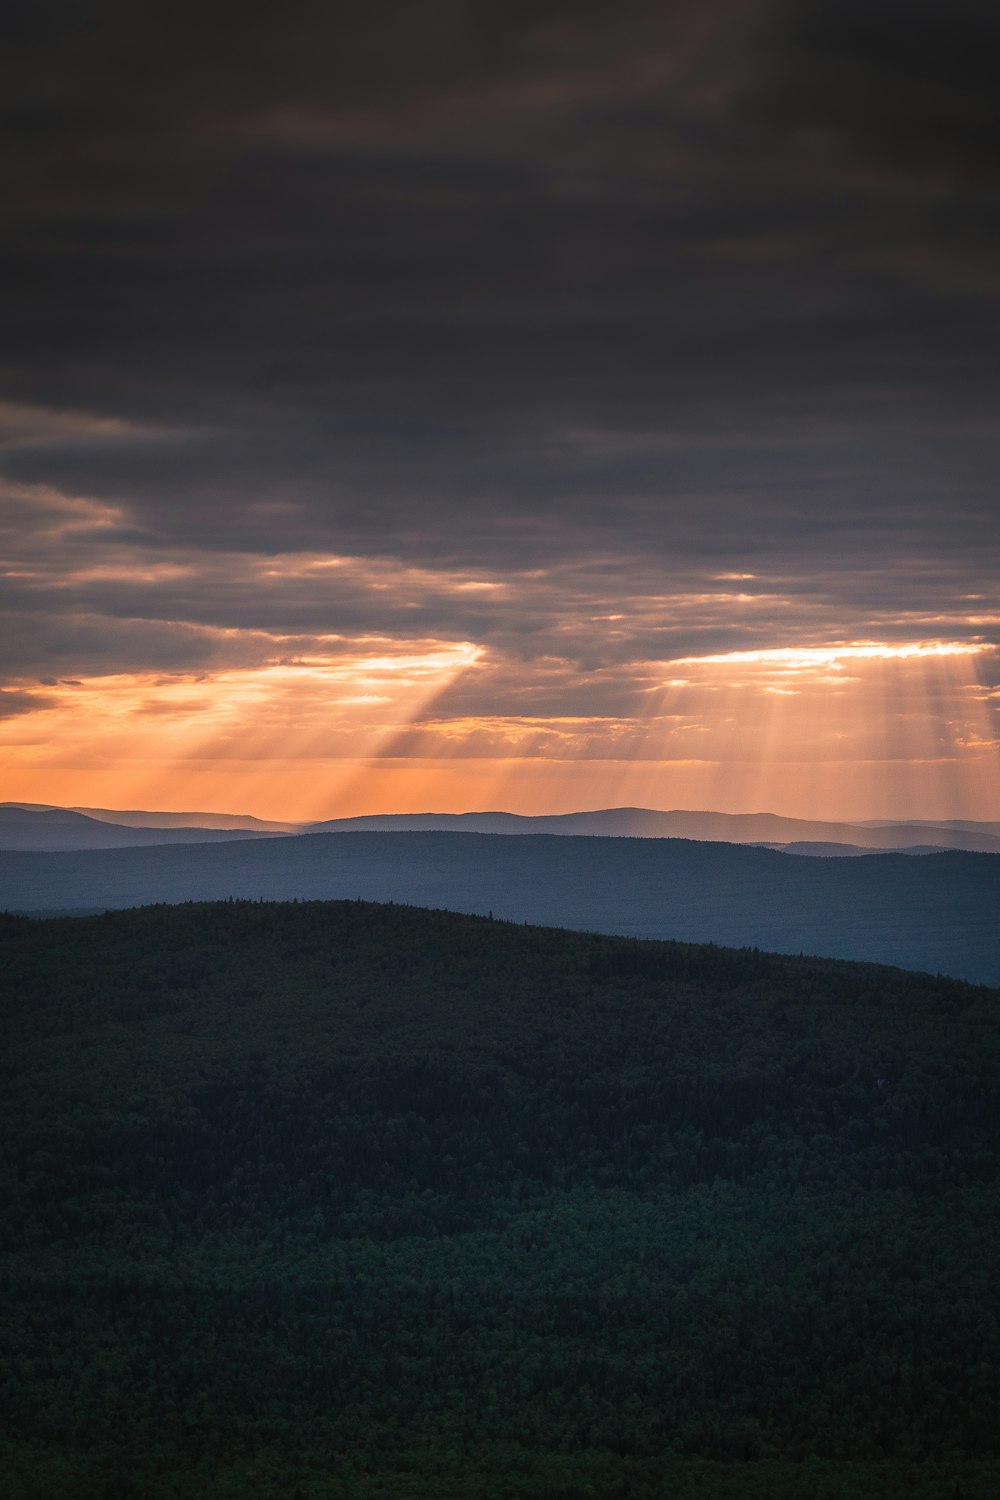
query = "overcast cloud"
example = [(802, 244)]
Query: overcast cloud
[(591, 334)]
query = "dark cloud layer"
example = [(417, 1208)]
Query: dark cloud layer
[(498, 287)]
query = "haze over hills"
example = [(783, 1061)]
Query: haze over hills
[(73, 828), (147, 818), (604, 871), (62, 830), (640, 822), (135, 818), (938, 913), (849, 851), (971, 823)]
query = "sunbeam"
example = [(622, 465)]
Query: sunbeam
[(283, 735), (853, 730)]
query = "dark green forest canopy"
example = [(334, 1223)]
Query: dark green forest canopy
[(351, 1200)]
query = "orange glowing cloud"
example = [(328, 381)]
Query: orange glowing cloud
[(251, 682), (367, 727), (254, 732), (803, 658), (777, 723)]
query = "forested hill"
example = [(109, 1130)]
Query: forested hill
[(339, 1200), (937, 913)]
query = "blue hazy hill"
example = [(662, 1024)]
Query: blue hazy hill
[(937, 913)]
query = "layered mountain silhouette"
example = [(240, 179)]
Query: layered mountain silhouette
[(731, 828), (63, 829), (937, 913), (39, 826)]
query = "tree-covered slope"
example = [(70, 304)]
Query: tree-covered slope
[(340, 1200)]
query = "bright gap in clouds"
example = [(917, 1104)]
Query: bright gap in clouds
[(854, 730), (289, 733), (818, 656)]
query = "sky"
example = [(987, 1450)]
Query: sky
[(448, 406)]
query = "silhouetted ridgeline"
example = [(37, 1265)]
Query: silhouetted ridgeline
[(644, 822), (334, 1200), (63, 829), (37, 826), (937, 913)]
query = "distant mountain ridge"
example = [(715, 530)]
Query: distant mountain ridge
[(152, 818), (849, 851), (62, 830), (640, 822), (43, 827), (937, 913)]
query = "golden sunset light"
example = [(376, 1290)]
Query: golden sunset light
[(803, 657), (309, 680), (237, 730), (499, 750), (856, 727)]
